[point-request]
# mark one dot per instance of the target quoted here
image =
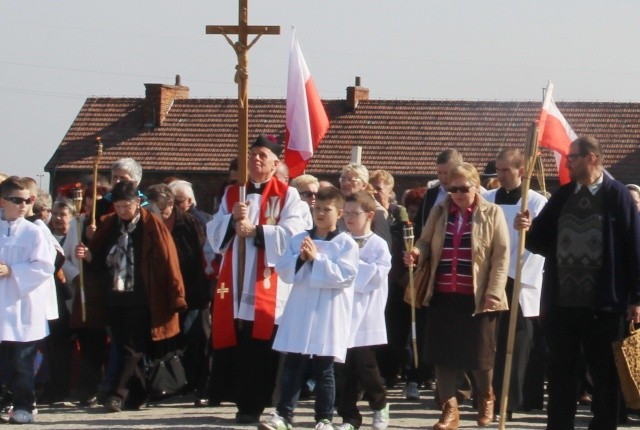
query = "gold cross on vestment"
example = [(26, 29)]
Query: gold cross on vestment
[(222, 290)]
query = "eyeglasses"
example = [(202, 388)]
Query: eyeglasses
[(308, 194), (353, 214), (463, 189), (18, 200), (573, 157)]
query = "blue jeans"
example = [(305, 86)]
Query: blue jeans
[(20, 356), (292, 376)]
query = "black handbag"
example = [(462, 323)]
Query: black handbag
[(166, 376)]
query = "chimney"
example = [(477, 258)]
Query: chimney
[(355, 94), (159, 100)]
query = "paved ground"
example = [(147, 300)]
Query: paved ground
[(179, 413)]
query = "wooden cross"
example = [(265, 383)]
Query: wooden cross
[(241, 47), (222, 290)]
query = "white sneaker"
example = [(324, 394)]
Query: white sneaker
[(344, 426), (411, 391), (276, 422), (324, 425), (381, 418)]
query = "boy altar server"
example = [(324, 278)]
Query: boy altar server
[(322, 264), (368, 328), (25, 266)]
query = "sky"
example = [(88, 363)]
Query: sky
[(55, 54)]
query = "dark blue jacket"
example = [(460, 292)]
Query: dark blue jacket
[(618, 285)]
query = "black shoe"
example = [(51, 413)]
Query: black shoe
[(201, 403), (247, 418), (113, 404)]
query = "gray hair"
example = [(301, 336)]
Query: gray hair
[(131, 166), (65, 203), (183, 187), (300, 181), (43, 201), (359, 169)]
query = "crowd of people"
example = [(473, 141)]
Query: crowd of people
[(298, 285)]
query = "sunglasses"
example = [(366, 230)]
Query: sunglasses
[(308, 194), (462, 189), (18, 200)]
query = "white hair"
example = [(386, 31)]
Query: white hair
[(185, 188), (131, 166)]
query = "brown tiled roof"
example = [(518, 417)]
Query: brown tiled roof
[(404, 137)]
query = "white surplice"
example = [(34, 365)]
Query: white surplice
[(532, 264), (23, 303), (317, 317), (368, 325), (275, 237)]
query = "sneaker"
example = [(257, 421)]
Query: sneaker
[(20, 416), (411, 391), (276, 422), (344, 426), (381, 418), (113, 404), (5, 413), (324, 425)]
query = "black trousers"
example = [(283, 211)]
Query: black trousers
[(360, 369), (522, 346), (93, 350), (570, 331), (131, 329), (246, 373), (60, 355)]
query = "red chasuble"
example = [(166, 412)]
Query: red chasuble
[(223, 334)]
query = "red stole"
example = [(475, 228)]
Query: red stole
[(223, 332)]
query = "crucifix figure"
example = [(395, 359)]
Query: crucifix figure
[(241, 48)]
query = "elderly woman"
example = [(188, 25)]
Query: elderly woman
[(133, 253), (189, 237), (464, 248), (353, 178)]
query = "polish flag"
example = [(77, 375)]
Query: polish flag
[(556, 134), (307, 121)]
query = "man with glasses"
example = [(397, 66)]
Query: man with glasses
[(589, 234)]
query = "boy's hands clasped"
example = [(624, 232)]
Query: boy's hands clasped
[(308, 250)]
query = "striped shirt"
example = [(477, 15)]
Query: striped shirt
[(454, 274)]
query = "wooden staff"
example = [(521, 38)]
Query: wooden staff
[(96, 163), (408, 246), (530, 156), (77, 199)]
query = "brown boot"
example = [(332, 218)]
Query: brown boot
[(486, 403), (450, 416)]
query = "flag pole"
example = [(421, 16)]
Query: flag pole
[(530, 156)]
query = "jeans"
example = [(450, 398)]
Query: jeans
[(325, 391), (20, 356)]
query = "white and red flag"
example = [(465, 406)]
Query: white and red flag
[(556, 134), (307, 121)]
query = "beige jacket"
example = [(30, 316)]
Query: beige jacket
[(490, 251)]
